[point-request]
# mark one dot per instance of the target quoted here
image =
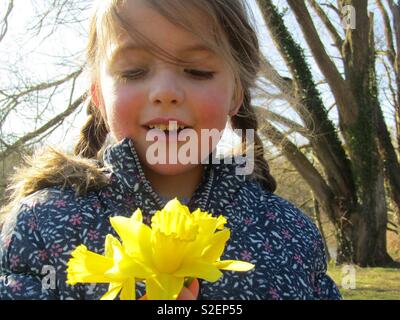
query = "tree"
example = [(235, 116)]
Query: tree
[(30, 98), (351, 188)]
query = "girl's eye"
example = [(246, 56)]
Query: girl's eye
[(133, 74), (138, 73), (200, 74)]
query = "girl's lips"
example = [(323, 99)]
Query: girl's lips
[(147, 128), (166, 121)]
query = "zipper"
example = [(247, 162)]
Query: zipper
[(147, 184), (203, 200)]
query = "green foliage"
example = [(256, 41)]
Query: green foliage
[(362, 147)]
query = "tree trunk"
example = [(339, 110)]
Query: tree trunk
[(317, 218), (362, 138), (391, 164)]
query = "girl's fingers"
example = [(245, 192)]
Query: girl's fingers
[(194, 287), (189, 293), (186, 294)]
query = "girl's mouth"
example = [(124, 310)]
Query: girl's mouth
[(163, 133), (167, 130)]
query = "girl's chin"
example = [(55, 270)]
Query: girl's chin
[(173, 169)]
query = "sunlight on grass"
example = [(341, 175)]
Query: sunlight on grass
[(370, 283)]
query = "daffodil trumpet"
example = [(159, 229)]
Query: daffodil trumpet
[(178, 247)]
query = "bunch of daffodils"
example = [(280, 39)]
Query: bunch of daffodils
[(178, 246)]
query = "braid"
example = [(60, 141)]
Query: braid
[(93, 134), (247, 119)]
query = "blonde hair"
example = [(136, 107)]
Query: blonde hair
[(231, 36)]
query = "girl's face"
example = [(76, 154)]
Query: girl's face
[(135, 87)]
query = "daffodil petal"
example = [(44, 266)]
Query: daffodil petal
[(87, 267), (234, 265), (221, 221), (201, 270), (129, 267), (216, 246), (112, 292), (131, 233), (143, 245), (137, 216), (138, 245), (164, 287), (128, 291), (175, 205), (207, 227), (108, 246), (126, 266), (136, 237), (122, 226)]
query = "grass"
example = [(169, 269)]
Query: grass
[(370, 283)]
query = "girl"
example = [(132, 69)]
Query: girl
[(152, 61)]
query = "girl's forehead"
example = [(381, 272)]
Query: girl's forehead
[(137, 21), (183, 36), (187, 52), (178, 46)]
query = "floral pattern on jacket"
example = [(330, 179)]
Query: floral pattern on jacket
[(284, 244)]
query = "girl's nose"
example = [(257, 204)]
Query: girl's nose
[(165, 89)]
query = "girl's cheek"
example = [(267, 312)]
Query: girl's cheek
[(124, 112), (128, 101), (213, 111)]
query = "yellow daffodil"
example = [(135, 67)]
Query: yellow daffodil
[(89, 267), (179, 245)]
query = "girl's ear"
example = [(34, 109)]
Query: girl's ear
[(236, 104), (97, 100), (95, 94)]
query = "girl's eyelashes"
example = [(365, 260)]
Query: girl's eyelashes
[(200, 74), (194, 73), (133, 74)]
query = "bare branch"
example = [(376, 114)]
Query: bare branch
[(4, 27), (333, 8), (392, 90), (47, 85), (268, 114), (49, 125), (391, 52), (395, 9), (328, 24), (346, 102), (309, 173)]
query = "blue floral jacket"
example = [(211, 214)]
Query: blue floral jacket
[(39, 235)]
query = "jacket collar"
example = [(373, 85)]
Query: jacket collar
[(129, 181)]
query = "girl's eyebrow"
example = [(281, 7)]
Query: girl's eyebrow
[(133, 47)]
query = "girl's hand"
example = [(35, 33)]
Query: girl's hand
[(189, 293)]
